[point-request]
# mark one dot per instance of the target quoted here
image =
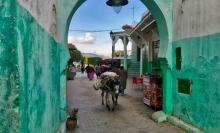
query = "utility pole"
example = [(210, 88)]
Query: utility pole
[(133, 11)]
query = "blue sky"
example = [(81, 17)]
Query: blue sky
[(96, 15)]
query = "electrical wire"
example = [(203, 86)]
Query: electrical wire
[(81, 30)]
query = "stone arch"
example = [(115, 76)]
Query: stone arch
[(70, 15), (162, 13)]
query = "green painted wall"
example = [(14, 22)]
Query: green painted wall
[(40, 58), (63, 58), (9, 74), (31, 97), (201, 64)]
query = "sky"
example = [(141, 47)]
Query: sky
[(95, 15)]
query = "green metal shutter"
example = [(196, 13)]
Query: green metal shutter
[(184, 86), (178, 58)]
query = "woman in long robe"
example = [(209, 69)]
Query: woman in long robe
[(91, 73)]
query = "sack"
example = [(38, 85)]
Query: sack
[(102, 82), (98, 84)]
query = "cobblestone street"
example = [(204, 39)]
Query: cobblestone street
[(130, 116)]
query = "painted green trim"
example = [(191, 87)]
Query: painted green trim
[(150, 66), (64, 57), (76, 6), (167, 87)]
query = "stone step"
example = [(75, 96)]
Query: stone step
[(134, 73), (133, 68), (130, 68), (135, 64)]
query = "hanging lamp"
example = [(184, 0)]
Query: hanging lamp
[(117, 4)]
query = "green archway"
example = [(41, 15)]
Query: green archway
[(162, 12)]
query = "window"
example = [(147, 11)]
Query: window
[(178, 58), (184, 86)]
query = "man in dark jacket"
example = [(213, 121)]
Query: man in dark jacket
[(123, 80)]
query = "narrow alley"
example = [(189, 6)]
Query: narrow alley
[(130, 116)]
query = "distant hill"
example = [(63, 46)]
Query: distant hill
[(92, 55)]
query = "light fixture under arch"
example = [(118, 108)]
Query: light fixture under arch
[(117, 4)]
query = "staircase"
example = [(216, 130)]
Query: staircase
[(134, 69)]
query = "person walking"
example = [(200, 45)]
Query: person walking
[(87, 70), (90, 72), (98, 70), (116, 70), (82, 69), (123, 80)]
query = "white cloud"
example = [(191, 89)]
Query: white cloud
[(99, 46), (88, 38)]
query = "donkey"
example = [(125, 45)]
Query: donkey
[(110, 89), (108, 83)]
